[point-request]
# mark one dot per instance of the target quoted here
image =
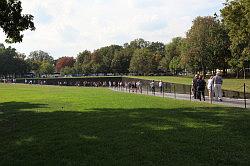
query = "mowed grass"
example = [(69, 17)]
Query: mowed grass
[(46, 125), (228, 84)]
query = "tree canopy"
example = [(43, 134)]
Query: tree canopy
[(11, 62), (63, 62), (13, 22), (206, 44), (39, 60), (212, 42), (236, 17), (142, 62)]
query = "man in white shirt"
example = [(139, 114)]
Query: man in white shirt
[(161, 86), (152, 86), (217, 80), (210, 87)]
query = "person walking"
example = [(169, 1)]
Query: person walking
[(194, 85), (217, 80), (210, 87), (201, 84)]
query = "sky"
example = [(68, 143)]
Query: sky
[(67, 27)]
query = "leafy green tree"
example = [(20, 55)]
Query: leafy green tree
[(82, 61), (13, 22), (104, 57), (7, 65), (121, 61), (142, 62), (67, 71), (172, 49), (205, 44), (175, 65), (137, 44), (188, 60), (83, 57), (157, 48), (40, 56), (11, 62), (236, 17), (36, 58), (164, 65), (157, 57), (95, 68), (46, 68), (21, 65), (87, 68)]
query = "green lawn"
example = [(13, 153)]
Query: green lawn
[(46, 125), (229, 84)]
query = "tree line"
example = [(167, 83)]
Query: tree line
[(213, 42)]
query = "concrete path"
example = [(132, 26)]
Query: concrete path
[(231, 102)]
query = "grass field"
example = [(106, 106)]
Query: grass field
[(228, 84), (46, 125)]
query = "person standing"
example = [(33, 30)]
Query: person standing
[(139, 86), (210, 87), (152, 86), (134, 86), (194, 85), (201, 84), (161, 86), (217, 80)]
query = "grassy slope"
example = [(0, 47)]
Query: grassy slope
[(101, 127), (229, 84)]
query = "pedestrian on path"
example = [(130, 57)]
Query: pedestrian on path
[(210, 87), (201, 84), (161, 86), (139, 86), (217, 80), (152, 86), (194, 85)]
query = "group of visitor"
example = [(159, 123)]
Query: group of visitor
[(8, 80), (214, 87), (160, 85), (131, 86)]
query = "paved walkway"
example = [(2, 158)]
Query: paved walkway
[(231, 102)]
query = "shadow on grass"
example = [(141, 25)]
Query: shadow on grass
[(108, 136), (16, 106)]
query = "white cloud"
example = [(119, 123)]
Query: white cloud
[(64, 28)]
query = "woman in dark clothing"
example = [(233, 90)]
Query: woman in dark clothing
[(201, 84), (194, 86)]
